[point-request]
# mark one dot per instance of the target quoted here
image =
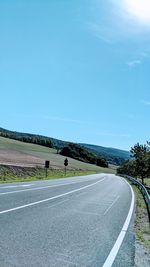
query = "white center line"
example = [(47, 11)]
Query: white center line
[(56, 204), (48, 199), (83, 193), (14, 186), (38, 188), (115, 200), (27, 185), (10, 186)]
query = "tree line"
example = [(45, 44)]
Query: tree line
[(139, 164), (29, 138), (78, 152)]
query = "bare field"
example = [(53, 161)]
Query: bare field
[(17, 158), (16, 153)]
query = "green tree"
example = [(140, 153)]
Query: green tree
[(128, 167), (141, 154), (102, 162), (81, 153)]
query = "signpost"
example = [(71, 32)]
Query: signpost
[(47, 163), (65, 164)]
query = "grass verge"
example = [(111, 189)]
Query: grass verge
[(21, 174), (10, 174), (146, 181), (142, 226)]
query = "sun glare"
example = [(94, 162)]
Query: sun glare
[(139, 9)]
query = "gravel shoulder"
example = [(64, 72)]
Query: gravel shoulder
[(142, 255)]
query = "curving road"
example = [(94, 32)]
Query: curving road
[(80, 221)]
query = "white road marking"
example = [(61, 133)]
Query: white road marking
[(10, 186), (115, 200), (114, 251), (58, 203), (14, 186), (48, 199), (27, 185), (83, 193), (37, 188)]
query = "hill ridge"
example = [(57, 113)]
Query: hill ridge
[(112, 155)]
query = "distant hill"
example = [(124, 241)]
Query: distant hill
[(112, 155), (33, 138)]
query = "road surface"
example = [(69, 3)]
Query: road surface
[(77, 222)]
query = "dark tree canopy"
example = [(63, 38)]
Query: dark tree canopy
[(80, 153)]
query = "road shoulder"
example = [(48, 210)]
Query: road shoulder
[(142, 232)]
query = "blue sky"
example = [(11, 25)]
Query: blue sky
[(76, 70)]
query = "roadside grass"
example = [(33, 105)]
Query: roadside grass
[(146, 181), (41, 176), (142, 226), (22, 174)]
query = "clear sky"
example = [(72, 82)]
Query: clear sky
[(77, 70)]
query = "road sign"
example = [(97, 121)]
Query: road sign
[(66, 162), (46, 164)]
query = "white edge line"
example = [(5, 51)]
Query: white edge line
[(114, 251), (48, 199)]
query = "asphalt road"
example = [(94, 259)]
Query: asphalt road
[(80, 221)]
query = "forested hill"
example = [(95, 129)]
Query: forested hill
[(112, 155), (33, 138)]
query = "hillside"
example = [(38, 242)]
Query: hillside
[(18, 153), (112, 155)]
